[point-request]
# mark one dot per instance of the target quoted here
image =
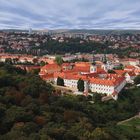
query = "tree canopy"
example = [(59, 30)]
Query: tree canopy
[(59, 60), (137, 80), (80, 85), (31, 109), (60, 81)]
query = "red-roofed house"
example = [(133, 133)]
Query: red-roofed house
[(120, 72), (107, 86), (129, 75), (129, 68), (49, 69), (67, 66), (85, 67)]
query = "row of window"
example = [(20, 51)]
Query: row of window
[(96, 88), (97, 85)]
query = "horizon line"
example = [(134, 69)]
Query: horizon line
[(70, 29)]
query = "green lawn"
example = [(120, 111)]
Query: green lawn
[(131, 128), (134, 122)]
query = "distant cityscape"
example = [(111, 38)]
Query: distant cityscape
[(33, 42)]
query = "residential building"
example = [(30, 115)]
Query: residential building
[(95, 79)]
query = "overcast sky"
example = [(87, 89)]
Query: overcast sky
[(70, 14)]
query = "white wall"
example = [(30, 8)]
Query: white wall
[(101, 88), (119, 87), (107, 89), (93, 87)]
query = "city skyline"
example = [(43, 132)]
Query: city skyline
[(74, 14)]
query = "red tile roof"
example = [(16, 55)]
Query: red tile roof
[(66, 64), (132, 73), (101, 71), (108, 82), (129, 67), (51, 66), (82, 69), (120, 72)]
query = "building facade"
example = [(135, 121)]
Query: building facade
[(95, 79)]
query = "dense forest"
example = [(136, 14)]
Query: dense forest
[(73, 45), (31, 109)]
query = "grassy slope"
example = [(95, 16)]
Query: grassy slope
[(131, 128)]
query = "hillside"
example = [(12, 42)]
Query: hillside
[(105, 32), (31, 109), (131, 127)]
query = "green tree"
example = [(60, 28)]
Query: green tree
[(2, 109), (97, 97), (15, 60), (8, 61), (111, 71), (35, 60), (60, 81), (80, 85), (120, 67), (42, 63), (35, 71), (100, 134), (137, 80), (30, 127), (59, 60)]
